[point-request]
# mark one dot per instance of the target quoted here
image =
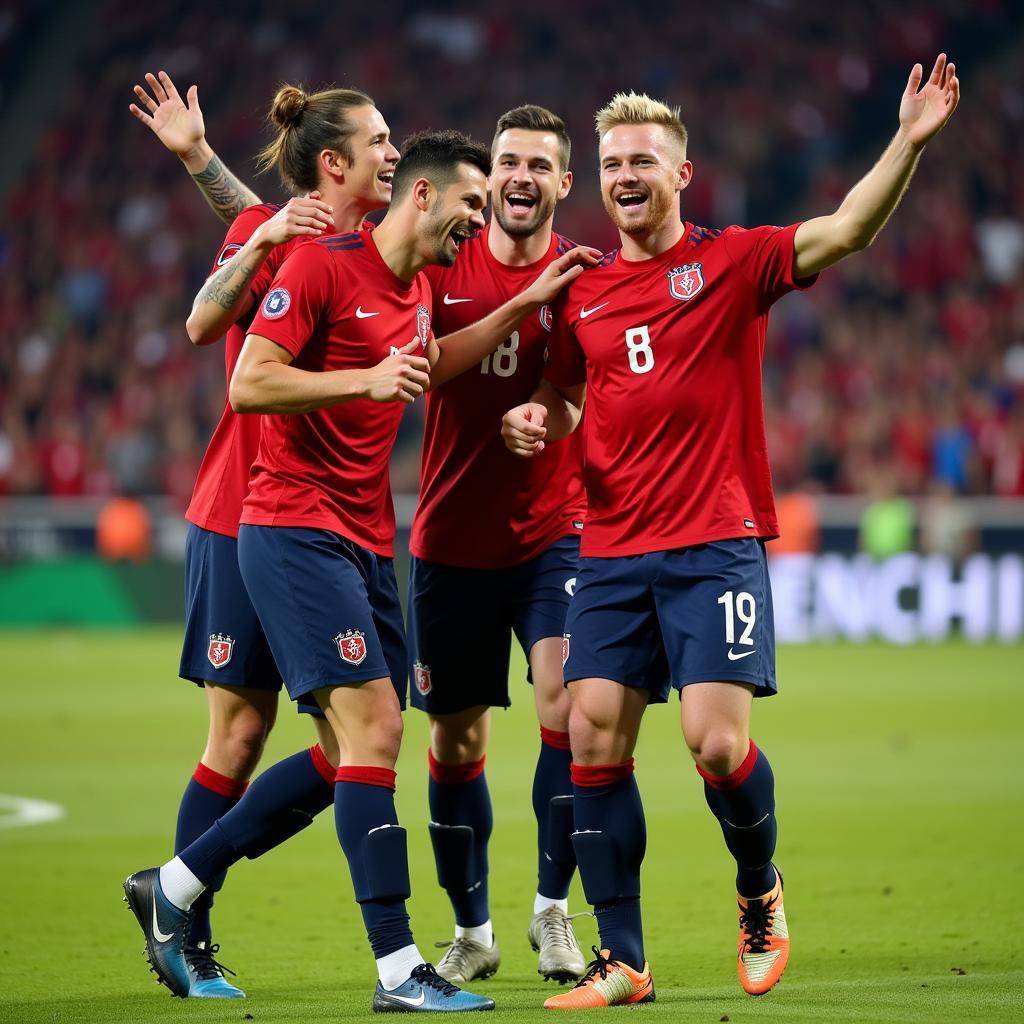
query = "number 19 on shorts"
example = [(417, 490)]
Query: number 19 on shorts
[(740, 606)]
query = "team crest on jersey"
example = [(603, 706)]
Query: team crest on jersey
[(686, 281), (421, 677), (352, 646), (227, 252), (565, 648), (422, 324), (545, 318), (220, 650), (276, 304)]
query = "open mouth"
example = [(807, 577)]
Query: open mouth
[(629, 200), (385, 177), (461, 234), (520, 201)]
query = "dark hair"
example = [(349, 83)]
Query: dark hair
[(436, 156), (307, 124), (532, 118)]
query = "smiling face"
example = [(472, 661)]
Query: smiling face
[(526, 180), (643, 170), (369, 172), (456, 214)]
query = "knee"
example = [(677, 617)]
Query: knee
[(383, 738), (456, 741), (719, 751), (238, 741), (591, 735)]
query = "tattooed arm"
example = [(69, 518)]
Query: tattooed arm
[(181, 129), (227, 294)]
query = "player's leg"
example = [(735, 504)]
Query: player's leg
[(722, 606), (459, 643), (612, 640), (541, 592)]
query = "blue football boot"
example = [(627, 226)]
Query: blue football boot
[(427, 992), (165, 928), (208, 981)]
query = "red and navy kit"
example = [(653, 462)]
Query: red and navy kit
[(480, 506), (671, 351), (495, 539), (335, 305), (673, 580), (316, 543)]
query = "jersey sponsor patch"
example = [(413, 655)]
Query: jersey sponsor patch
[(421, 677), (227, 252), (422, 324), (277, 303), (352, 646), (748, 523), (686, 281), (220, 650)]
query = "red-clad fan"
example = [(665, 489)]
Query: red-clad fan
[(666, 336)]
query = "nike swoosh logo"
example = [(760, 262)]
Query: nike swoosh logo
[(449, 301), (362, 315), (408, 1000), (584, 312), (157, 934), (733, 656)]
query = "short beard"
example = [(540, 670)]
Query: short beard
[(542, 212), (658, 207)]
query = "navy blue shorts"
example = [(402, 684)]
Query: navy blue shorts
[(329, 607), (461, 623), (224, 641), (669, 618)]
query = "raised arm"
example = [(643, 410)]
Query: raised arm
[(264, 381), (924, 110), (551, 414), (457, 352), (181, 129)]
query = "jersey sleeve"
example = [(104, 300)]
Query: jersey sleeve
[(300, 293), (764, 255), (240, 232), (566, 364)]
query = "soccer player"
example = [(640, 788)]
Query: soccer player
[(495, 544), (329, 357), (336, 142), (667, 337)]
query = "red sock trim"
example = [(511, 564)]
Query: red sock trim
[(734, 779), (454, 774), (554, 738), (367, 775), (600, 774), (322, 765), (224, 785)]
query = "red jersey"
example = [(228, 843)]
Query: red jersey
[(335, 305), (223, 479), (671, 351), (480, 506)]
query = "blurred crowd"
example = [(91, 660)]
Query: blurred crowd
[(901, 372)]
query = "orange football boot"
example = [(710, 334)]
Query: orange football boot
[(764, 940), (607, 982)]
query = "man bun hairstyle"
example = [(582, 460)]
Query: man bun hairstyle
[(638, 108), (307, 123), (436, 156), (532, 118)]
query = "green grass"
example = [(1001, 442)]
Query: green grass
[(900, 803)]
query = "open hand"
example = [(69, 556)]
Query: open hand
[(177, 125), (924, 110)]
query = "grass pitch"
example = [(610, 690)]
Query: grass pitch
[(900, 806)]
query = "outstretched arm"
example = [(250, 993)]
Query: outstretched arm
[(551, 414), (458, 351), (181, 129), (924, 110)]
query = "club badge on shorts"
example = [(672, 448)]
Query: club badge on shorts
[(220, 650), (686, 281), (565, 648), (421, 677), (352, 646)]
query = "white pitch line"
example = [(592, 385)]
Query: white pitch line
[(16, 811)]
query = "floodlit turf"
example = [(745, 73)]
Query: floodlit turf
[(900, 799)]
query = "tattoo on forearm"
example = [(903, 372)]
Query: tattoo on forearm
[(229, 283), (224, 192)]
